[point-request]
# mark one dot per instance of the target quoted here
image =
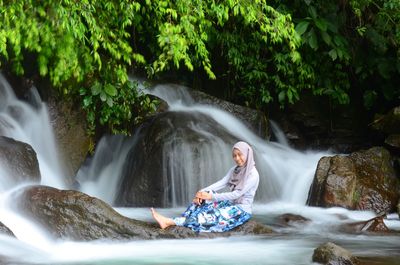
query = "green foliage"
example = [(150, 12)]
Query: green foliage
[(380, 24), (354, 45), (77, 44), (262, 51), (256, 43)]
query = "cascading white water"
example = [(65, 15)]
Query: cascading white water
[(29, 123), (196, 167), (100, 177), (285, 174)]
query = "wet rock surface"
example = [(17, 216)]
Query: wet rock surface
[(70, 131), (254, 120), (5, 230), (19, 162), (288, 219), (373, 225), (364, 180), (74, 215), (332, 254)]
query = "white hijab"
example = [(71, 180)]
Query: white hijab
[(240, 175)]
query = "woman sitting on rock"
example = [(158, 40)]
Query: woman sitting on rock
[(219, 212)]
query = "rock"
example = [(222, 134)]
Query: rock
[(252, 228), (314, 123), (334, 183), (255, 120), (73, 215), (364, 180), (331, 254), (289, 219), (18, 162), (393, 140), (374, 225), (398, 208), (248, 228), (151, 166), (5, 230), (388, 123), (70, 130)]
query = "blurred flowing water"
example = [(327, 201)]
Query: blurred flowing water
[(286, 175)]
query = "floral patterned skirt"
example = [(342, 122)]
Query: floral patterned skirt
[(213, 217)]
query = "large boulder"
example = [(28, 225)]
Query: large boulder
[(18, 163), (172, 147), (76, 216), (332, 254), (364, 180)]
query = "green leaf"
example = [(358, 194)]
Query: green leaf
[(321, 24), (96, 89), (313, 12), (87, 101), (326, 37), (369, 97), (110, 90), (302, 27), (281, 96), (312, 41), (110, 102), (103, 96), (333, 54)]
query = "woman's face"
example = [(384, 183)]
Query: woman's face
[(238, 157)]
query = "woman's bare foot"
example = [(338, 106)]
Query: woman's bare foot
[(163, 221)]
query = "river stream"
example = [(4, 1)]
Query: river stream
[(286, 175)]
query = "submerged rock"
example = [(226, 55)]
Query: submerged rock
[(332, 254), (289, 219), (18, 162), (374, 225), (5, 230), (364, 180), (74, 215)]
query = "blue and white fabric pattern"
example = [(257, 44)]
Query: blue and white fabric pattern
[(215, 216)]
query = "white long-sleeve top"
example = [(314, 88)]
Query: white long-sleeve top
[(244, 197)]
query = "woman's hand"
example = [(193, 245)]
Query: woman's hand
[(197, 200), (203, 195)]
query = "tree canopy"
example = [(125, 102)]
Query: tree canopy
[(264, 51)]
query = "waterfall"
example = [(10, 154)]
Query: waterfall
[(29, 122), (285, 173), (100, 176)]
